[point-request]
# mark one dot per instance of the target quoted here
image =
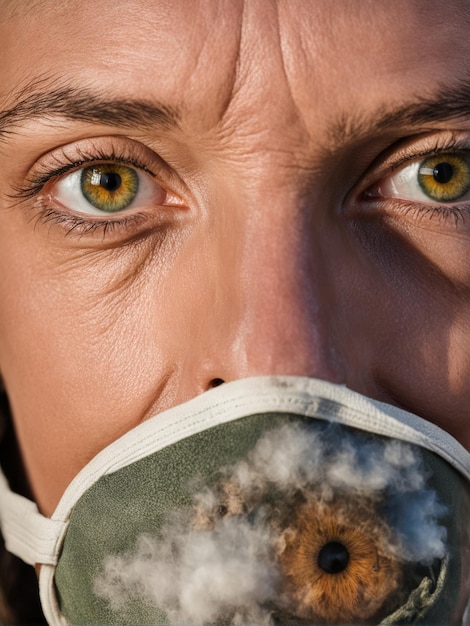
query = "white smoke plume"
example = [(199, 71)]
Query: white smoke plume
[(225, 571), (223, 561)]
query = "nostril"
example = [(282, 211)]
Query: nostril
[(216, 382)]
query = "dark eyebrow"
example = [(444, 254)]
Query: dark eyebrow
[(447, 104), (83, 105)]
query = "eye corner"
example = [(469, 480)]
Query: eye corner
[(372, 192)]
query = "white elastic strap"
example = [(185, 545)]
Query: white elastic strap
[(49, 603), (28, 534), (233, 400)]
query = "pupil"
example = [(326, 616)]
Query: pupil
[(333, 558), (110, 182), (443, 172)]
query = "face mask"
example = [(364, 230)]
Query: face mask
[(267, 501)]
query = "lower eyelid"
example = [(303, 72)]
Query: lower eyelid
[(119, 230), (433, 216)]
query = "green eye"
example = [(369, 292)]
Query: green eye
[(109, 187), (445, 177)]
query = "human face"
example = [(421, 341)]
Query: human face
[(278, 227)]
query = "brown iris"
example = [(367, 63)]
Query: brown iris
[(335, 562), (109, 187), (445, 178)]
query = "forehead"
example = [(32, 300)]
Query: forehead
[(229, 59)]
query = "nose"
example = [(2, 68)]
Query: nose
[(277, 315)]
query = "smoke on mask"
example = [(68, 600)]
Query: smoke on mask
[(315, 524)]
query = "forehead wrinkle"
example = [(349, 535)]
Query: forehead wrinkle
[(238, 84), (261, 65), (11, 10), (284, 51), (229, 85)]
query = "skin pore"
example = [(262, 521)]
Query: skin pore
[(277, 230)]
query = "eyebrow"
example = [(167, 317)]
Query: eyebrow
[(447, 104), (83, 105)]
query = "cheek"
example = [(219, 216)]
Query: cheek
[(429, 368), (409, 317), (78, 364), (94, 343), (72, 374)]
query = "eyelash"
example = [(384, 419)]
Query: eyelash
[(439, 147), (439, 212), (47, 214)]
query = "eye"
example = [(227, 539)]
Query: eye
[(336, 564), (439, 178), (107, 188)]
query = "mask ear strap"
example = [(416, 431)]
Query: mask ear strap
[(32, 537)]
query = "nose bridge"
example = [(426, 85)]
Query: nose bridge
[(282, 313)]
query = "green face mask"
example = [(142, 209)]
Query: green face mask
[(268, 500)]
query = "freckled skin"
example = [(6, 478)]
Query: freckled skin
[(269, 262)]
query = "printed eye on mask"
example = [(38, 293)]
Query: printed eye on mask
[(321, 525), (265, 501)]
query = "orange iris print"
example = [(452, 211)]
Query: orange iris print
[(335, 562)]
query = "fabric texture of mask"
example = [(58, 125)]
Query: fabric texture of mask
[(267, 501)]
